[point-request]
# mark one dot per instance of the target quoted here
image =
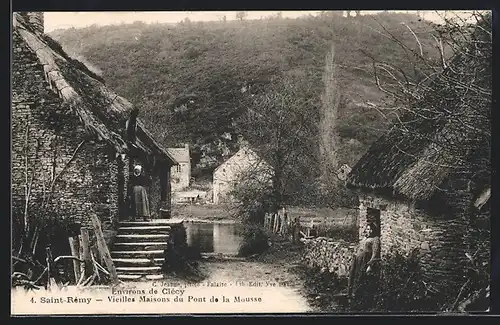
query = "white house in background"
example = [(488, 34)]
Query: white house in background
[(181, 173), (227, 175)]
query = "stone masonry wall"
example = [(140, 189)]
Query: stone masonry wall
[(440, 243), (45, 138), (329, 255)]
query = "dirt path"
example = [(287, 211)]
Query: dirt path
[(279, 289)]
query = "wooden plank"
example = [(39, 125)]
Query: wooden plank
[(51, 270), (88, 270), (80, 253), (75, 251), (103, 248)]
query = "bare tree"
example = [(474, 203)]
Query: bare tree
[(451, 92), (280, 125), (454, 87), (241, 15)]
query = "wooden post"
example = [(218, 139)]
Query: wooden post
[(80, 253), (86, 252), (97, 256), (75, 248), (103, 248), (296, 230), (51, 271)]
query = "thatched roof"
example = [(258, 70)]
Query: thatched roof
[(429, 142), (102, 112)]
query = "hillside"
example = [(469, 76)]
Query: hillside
[(189, 79)]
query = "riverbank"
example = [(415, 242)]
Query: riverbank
[(224, 213), (282, 257)]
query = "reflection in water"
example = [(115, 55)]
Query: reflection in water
[(213, 237)]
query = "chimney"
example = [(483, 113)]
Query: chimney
[(35, 19)]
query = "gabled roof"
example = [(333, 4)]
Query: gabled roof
[(102, 112), (181, 155), (245, 150), (419, 152)]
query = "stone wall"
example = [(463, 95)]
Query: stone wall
[(328, 254), (440, 243), (49, 143)]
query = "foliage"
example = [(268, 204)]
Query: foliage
[(255, 240), (401, 287), (189, 80), (252, 201), (281, 126), (43, 232), (179, 257), (337, 231)]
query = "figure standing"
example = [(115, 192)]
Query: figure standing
[(140, 197), (367, 253)]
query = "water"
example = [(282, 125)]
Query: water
[(214, 237)]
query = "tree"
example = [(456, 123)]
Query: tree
[(329, 139), (453, 89), (452, 92), (281, 125), (241, 15)]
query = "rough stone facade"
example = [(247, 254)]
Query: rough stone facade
[(440, 243), (329, 255), (45, 139)]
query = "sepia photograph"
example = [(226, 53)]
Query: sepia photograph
[(250, 162)]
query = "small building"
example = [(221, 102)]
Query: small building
[(228, 174), (426, 180), (71, 152), (180, 173)]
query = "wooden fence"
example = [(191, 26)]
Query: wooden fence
[(90, 257), (282, 224)]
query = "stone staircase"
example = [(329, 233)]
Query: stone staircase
[(138, 250)]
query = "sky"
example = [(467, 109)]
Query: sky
[(64, 20)]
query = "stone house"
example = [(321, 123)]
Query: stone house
[(71, 153), (244, 163), (180, 173), (426, 181)]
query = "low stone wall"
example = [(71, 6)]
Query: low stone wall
[(329, 254)]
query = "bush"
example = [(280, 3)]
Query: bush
[(400, 288), (337, 231), (179, 257), (255, 240)]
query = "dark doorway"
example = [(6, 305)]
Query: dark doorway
[(122, 203), (373, 216)]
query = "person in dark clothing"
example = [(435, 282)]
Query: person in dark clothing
[(139, 194), (364, 260)]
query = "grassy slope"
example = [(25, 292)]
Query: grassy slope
[(157, 66)]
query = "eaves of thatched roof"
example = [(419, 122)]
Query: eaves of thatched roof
[(102, 112)]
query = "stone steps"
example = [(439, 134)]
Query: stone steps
[(144, 230), (138, 253), (139, 246), (127, 238), (138, 270), (137, 261)]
